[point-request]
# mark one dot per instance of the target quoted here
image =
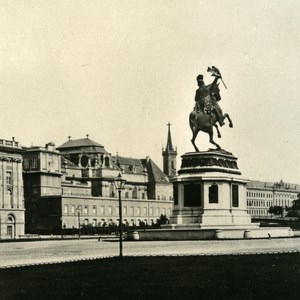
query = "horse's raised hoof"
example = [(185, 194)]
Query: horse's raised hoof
[(231, 125), (219, 135)]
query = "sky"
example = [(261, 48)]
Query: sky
[(121, 70)]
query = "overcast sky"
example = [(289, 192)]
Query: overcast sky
[(120, 70)]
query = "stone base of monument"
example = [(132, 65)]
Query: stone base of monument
[(210, 202), (190, 233)]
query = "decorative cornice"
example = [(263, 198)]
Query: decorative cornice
[(10, 157)]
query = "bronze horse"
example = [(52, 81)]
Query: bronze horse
[(199, 121)]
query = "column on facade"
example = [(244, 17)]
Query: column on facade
[(20, 183), (79, 160), (14, 190), (180, 196), (3, 181)]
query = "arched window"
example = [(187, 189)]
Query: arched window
[(10, 219), (84, 161)]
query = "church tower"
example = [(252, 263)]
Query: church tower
[(169, 156)]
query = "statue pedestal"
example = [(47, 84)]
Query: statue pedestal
[(210, 202), (209, 192)]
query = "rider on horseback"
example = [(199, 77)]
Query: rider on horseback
[(207, 112), (207, 97)]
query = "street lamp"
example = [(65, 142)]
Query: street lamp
[(78, 213), (119, 184)]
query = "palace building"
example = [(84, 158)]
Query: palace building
[(73, 184), (12, 210), (263, 195)]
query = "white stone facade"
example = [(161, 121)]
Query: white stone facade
[(210, 192), (12, 211)]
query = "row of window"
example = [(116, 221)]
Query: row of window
[(133, 195), (163, 197), (259, 203), (113, 210), (282, 203), (76, 192), (283, 195), (47, 162), (94, 222), (259, 195), (30, 163), (257, 212), (275, 202), (270, 195)]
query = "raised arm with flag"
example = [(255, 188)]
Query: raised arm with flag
[(215, 72)]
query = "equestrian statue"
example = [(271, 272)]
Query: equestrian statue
[(207, 112)]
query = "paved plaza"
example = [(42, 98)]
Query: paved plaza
[(20, 253)]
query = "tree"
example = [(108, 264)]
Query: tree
[(294, 211), (162, 220), (276, 210)]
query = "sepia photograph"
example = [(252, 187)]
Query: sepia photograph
[(149, 149)]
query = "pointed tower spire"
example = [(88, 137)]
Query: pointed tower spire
[(169, 156), (117, 160), (169, 140)]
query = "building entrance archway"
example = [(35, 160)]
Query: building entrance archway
[(10, 227)]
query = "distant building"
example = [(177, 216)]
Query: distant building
[(42, 186), (12, 210), (169, 156), (159, 187), (262, 195), (83, 189)]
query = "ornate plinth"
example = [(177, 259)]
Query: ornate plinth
[(209, 192), (209, 161)]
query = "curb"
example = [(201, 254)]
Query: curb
[(151, 255)]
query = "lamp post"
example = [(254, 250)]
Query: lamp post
[(78, 213), (119, 184)]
